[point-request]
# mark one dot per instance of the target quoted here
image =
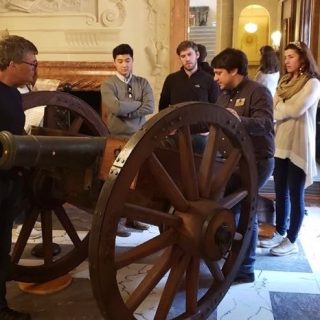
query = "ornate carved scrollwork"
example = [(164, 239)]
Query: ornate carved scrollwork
[(115, 15)]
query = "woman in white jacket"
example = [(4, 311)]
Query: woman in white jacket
[(295, 106)]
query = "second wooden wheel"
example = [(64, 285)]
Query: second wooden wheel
[(56, 196), (159, 180)]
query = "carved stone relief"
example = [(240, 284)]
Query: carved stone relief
[(31, 6), (72, 26), (110, 13), (157, 49)]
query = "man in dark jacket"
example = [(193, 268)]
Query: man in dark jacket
[(190, 83), (252, 104), (18, 65)]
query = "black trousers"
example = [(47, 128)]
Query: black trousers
[(11, 195)]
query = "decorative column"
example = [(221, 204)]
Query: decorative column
[(225, 18), (179, 23)]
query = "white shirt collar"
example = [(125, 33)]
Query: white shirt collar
[(124, 79)]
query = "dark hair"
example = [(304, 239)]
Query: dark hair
[(123, 48), (14, 48), (186, 45), (202, 52), (269, 61), (308, 63), (265, 49), (231, 59)]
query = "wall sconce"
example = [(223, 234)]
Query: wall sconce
[(250, 27), (276, 38)]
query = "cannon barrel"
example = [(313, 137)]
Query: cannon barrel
[(48, 151)]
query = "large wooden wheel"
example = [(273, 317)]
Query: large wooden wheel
[(200, 247), (46, 199)]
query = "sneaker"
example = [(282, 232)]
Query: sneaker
[(285, 248), (9, 314), (36, 232), (274, 241)]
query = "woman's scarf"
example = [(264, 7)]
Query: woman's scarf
[(286, 88)]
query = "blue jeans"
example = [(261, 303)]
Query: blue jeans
[(11, 193), (289, 181), (199, 143), (264, 170)]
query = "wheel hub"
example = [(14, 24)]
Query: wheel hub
[(208, 229)]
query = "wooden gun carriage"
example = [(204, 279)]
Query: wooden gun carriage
[(155, 178)]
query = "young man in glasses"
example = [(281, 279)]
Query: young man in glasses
[(18, 65), (126, 100)]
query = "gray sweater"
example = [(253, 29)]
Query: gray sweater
[(126, 112)]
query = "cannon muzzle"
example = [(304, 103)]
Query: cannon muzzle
[(48, 151)]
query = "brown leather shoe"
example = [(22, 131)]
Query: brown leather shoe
[(122, 231), (136, 225)]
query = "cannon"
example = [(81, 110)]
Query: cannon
[(155, 178)]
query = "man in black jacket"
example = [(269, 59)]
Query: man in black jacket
[(18, 65), (190, 83)]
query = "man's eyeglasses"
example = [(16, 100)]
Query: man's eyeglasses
[(34, 64), (130, 91)]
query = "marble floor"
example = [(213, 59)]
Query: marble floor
[(285, 287)]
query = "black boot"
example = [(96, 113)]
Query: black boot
[(243, 277)]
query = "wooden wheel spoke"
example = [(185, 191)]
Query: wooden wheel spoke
[(76, 125), (145, 249), (166, 183), (172, 285), (68, 226), (24, 235), (188, 171), (220, 181), (154, 275), (215, 270), (46, 225), (207, 166), (192, 285), (233, 198), (151, 216), (232, 256)]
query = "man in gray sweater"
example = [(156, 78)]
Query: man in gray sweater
[(126, 100)]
